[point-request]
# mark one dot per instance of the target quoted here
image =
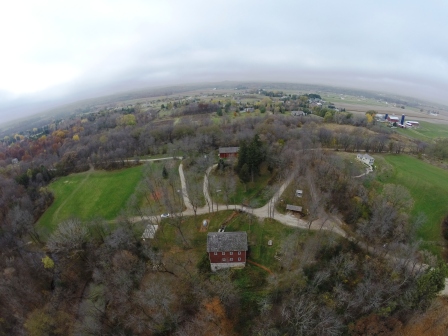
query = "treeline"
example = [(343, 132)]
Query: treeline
[(43, 281)]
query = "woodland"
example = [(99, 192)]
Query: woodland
[(97, 277)]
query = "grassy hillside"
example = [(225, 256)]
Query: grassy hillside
[(90, 194), (428, 186), (426, 132)]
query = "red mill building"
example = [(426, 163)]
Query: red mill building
[(227, 249)]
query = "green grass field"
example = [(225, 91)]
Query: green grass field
[(90, 194), (426, 132), (428, 186)]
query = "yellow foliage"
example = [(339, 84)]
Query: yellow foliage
[(128, 119), (48, 262), (38, 323), (76, 137), (59, 133), (369, 118)]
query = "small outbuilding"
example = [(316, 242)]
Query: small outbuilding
[(297, 113), (295, 208), (150, 231), (227, 249), (227, 152)]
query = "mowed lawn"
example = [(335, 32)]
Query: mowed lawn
[(90, 195), (428, 186)]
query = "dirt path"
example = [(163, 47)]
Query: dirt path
[(185, 197), (329, 223), (261, 266)]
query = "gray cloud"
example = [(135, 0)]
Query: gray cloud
[(60, 51)]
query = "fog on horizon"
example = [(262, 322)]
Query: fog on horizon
[(56, 52)]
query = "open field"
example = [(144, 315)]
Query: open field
[(426, 132), (428, 186), (90, 194)]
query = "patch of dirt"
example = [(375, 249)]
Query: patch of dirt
[(232, 216)]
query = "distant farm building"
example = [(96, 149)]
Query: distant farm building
[(412, 123), (366, 158), (297, 113), (393, 119), (295, 208), (226, 249), (228, 152)]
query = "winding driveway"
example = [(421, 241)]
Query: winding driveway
[(330, 223)]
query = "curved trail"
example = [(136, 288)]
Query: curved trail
[(268, 211)]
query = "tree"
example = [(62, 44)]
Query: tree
[(250, 154), (244, 173), (48, 262), (164, 173), (127, 120), (69, 236)]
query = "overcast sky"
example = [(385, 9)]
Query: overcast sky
[(62, 50)]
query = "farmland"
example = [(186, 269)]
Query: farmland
[(426, 132)]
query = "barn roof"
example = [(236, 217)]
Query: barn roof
[(228, 150), (226, 241), (294, 208)]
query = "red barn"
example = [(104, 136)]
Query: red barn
[(227, 249), (393, 119), (226, 152)]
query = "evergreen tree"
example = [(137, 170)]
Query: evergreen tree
[(164, 173)]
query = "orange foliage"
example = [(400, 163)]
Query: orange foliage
[(432, 322), (214, 320), (26, 157), (374, 325)]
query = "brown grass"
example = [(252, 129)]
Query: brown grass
[(432, 322)]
